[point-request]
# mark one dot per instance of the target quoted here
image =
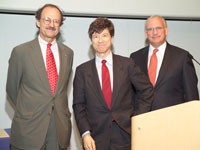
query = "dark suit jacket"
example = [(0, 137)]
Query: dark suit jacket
[(177, 80), (29, 90), (90, 109)]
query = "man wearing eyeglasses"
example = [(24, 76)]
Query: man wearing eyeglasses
[(170, 69), (37, 82)]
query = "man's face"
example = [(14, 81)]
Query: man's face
[(49, 23), (102, 42), (156, 32)]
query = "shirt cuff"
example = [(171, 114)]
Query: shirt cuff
[(86, 132)]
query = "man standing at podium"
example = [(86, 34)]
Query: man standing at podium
[(170, 69), (37, 82)]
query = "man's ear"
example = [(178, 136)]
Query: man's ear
[(145, 33), (166, 31), (37, 23)]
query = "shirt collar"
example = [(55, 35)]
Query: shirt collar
[(109, 59), (160, 48), (45, 42)]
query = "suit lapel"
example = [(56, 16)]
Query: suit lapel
[(165, 66), (37, 59), (117, 74), (96, 83), (144, 64), (63, 61), (142, 60)]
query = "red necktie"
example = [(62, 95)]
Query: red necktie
[(153, 67), (51, 68), (106, 86)]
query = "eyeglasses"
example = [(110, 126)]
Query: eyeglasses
[(47, 21), (158, 29)]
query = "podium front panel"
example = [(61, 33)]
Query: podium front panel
[(173, 128)]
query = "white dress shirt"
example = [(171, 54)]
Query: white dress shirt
[(54, 49), (159, 54)]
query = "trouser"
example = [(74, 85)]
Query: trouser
[(51, 141)]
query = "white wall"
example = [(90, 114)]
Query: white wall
[(129, 37), (171, 8)]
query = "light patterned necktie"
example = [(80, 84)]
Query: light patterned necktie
[(106, 85), (153, 67), (51, 68)]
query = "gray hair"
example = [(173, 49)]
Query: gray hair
[(156, 16)]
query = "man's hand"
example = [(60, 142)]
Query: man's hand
[(88, 142)]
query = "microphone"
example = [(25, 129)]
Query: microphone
[(191, 57)]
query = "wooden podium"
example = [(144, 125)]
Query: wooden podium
[(173, 128)]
